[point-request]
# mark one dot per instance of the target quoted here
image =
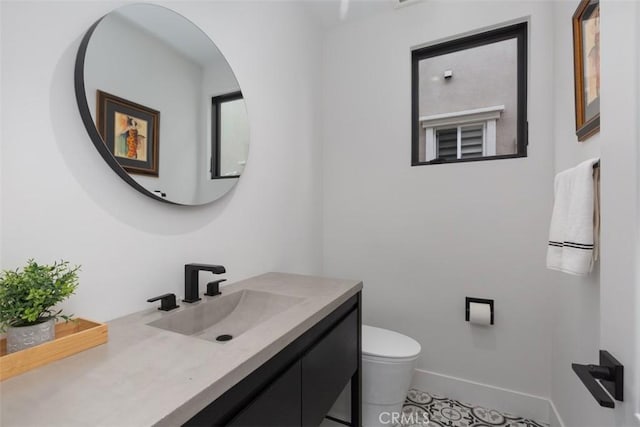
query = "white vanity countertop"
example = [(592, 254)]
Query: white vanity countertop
[(148, 376)]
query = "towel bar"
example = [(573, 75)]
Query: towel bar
[(610, 372)]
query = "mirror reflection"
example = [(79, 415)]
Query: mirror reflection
[(230, 135), (167, 107)]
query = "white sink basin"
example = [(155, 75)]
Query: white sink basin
[(231, 315)]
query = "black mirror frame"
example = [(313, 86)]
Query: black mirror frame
[(517, 31), (85, 114)]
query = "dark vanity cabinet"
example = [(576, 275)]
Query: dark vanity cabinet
[(326, 369), (298, 386), (278, 405)]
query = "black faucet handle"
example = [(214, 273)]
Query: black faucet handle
[(167, 301), (213, 288)]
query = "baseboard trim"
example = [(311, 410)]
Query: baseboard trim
[(514, 402), (555, 420)]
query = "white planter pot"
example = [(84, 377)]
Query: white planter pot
[(21, 337)]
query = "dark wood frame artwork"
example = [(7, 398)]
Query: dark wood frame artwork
[(516, 31), (216, 101), (584, 128), (107, 106)]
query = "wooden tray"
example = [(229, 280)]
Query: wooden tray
[(71, 337)]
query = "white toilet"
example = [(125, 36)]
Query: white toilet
[(388, 361)]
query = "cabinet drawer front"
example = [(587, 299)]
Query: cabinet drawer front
[(327, 368), (277, 406)]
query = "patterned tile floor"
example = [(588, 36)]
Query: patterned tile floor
[(443, 412)]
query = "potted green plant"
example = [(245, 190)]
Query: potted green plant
[(27, 300)]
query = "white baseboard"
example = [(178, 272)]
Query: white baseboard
[(514, 402), (510, 401), (554, 416)]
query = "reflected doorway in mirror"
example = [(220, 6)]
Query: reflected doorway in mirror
[(229, 135)]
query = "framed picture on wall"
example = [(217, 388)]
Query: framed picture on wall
[(586, 61), (130, 132)]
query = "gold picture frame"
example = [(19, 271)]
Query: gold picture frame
[(586, 60)]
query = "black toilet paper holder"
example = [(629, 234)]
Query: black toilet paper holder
[(469, 300)]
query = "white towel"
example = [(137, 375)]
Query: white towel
[(574, 221)]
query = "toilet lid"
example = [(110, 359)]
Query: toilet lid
[(384, 343)]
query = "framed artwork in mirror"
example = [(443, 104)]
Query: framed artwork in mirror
[(586, 62), (130, 132)]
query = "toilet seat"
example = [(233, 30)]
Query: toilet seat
[(384, 345)]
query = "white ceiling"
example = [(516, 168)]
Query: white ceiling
[(329, 13), (185, 37)]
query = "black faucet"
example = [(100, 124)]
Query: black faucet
[(191, 279)]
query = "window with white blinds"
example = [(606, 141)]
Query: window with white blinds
[(461, 135), (469, 97), (460, 142)]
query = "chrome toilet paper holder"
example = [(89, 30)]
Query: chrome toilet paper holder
[(469, 300)]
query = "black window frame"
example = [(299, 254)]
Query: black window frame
[(517, 31), (216, 102)]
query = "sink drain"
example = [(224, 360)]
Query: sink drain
[(223, 338)]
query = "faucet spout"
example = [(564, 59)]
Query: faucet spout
[(191, 279)]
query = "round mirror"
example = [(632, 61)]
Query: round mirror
[(162, 105)]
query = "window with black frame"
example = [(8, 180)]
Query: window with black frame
[(229, 135), (469, 98)]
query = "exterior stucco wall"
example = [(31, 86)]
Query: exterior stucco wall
[(483, 76)]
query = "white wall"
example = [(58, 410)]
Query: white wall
[(423, 238), (600, 311), (619, 327), (637, 281), (60, 200), (576, 332), (172, 86), (1, 132)]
